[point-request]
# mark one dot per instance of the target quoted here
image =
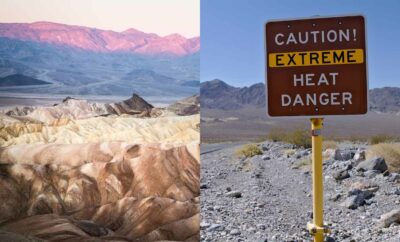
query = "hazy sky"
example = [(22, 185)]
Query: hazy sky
[(232, 38), (162, 17)]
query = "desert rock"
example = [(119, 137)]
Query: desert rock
[(124, 128), (376, 163), (389, 218), (111, 184), (83, 171), (187, 106)]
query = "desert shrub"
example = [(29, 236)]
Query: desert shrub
[(276, 135), (289, 152), (329, 144), (389, 151), (302, 163), (380, 138), (356, 139), (261, 139), (345, 138), (248, 150), (298, 137)]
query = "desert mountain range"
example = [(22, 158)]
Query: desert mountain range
[(50, 58), (217, 94), (98, 40)]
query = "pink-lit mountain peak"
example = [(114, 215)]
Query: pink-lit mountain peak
[(43, 25), (175, 37), (133, 31), (92, 39)]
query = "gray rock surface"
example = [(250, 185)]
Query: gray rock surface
[(376, 163), (276, 200), (343, 155), (354, 201), (359, 155), (357, 198), (341, 175)]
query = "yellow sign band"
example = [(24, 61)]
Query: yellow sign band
[(316, 58)]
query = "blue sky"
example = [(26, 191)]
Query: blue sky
[(232, 40)]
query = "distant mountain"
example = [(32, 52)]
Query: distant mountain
[(148, 76), (97, 40), (216, 94), (192, 83), (386, 99), (75, 71), (20, 80)]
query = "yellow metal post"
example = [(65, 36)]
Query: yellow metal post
[(317, 228)]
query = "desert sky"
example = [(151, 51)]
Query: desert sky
[(155, 16)]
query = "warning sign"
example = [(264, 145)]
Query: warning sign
[(316, 67)]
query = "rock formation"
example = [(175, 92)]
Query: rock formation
[(133, 190), (187, 106), (69, 173)]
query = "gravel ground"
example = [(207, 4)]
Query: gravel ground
[(267, 198)]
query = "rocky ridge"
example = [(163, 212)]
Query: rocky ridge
[(187, 106), (71, 108), (130, 41), (82, 171), (76, 109), (134, 192), (217, 94)]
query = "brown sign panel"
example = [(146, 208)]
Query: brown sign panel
[(316, 67)]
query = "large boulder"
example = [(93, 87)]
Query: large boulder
[(354, 202), (366, 193), (343, 155), (376, 163), (356, 198), (341, 175)]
